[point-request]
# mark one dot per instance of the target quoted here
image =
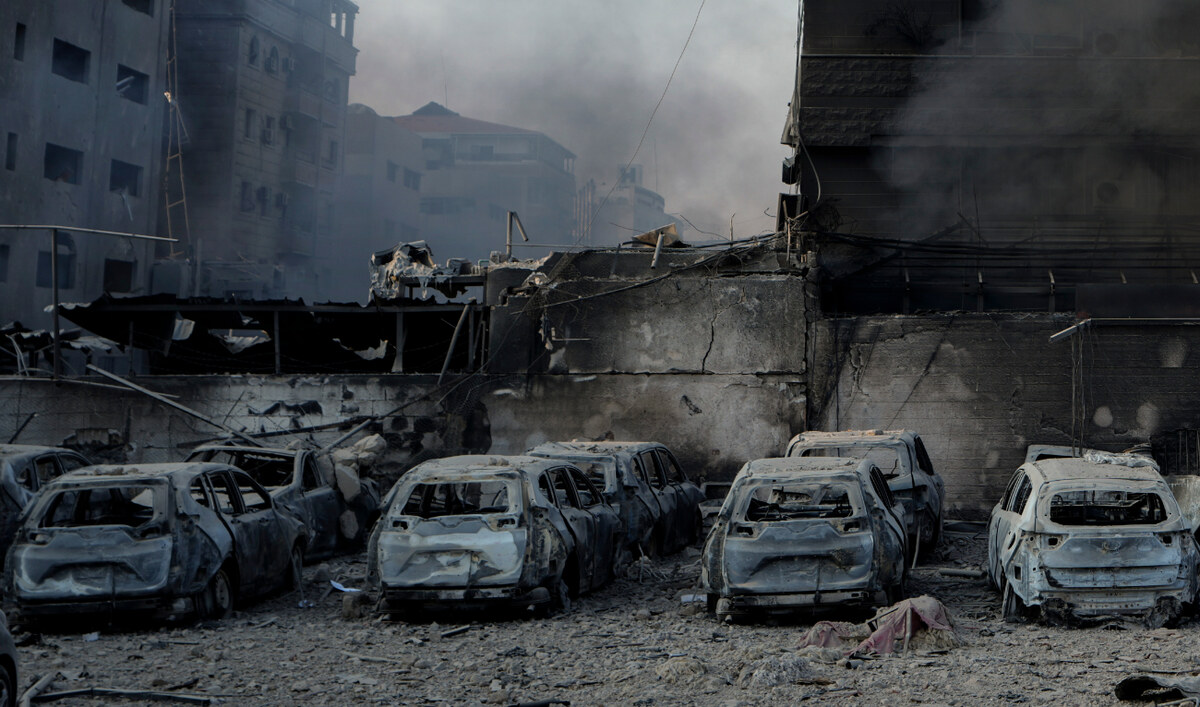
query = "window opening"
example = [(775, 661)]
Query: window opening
[(10, 152), (124, 177), (70, 62), (19, 42), (118, 275), (132, 85), (62, 164), (66, 265), (252, 57)]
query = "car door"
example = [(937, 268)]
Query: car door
[(642, 494), (687, 493), (607, 526), (1003, 527), (257, 536), (668, 502), (323, 507), (582, 526)]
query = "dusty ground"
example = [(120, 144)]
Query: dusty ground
[(631, 643)]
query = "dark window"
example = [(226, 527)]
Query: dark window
[(564, 493), (482, 152), (272, 62), (252, 57), (198, 492), (247, 197), (132, 84), (19, 43), (653, 474), (1107, 507), (3, 263), (923, 460), (312, 478), (10, 152), (1021, 495), (66, 265), (249, 123), (546, 489), (70, 462), (62, 164), (225, 494), (392, 169), (587, 493), (70, 62), (125, 177), (332, 155), (118, 275), (412, 179), (146, 6), (268, 133), (262, 195), (254, 498)]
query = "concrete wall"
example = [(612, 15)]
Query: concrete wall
[(980, 388)]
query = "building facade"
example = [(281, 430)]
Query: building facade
[(475, 172), (379, 198), (607, 216), (263, 95), (81, 115)]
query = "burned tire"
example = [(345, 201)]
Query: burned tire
[(1013, 607), (8, 687), (216, 601), (935, 537)]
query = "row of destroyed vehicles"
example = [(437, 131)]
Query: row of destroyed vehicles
[(837, 521)]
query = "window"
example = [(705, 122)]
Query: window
[(132, 506), (46, 470), (19, 43), (254, 498), (412, 179), (118, 275), (564, 493), (10, 152), (802, 500), (392, 169), (131, 84), (224, 493), (144, 6), (272, 62), (458, 499), (198, 492), (674, 473), (62, 164), (252, 57), (546, 489), (482, 153), (311, 480), (125, 178), (1024, 488), (587, 493), (247, 196), (3, 263), (66, 265), (332, 155), (70, 462), (249, 122), (262, 195), (268, 133), (70, 62), (653, 474)]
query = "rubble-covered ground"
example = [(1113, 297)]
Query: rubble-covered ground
[(635, 642)]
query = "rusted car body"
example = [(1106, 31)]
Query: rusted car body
[(901, 456), (338, 517), (659, 506), (1078, 538), (24, 469), (483, 530), (166, 540), (805, 532)]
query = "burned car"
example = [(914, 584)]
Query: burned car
[(1092, 537), (901, 456), (165, 540), (659, 506), (479, 530), (805, 532), (25, 468), (336, 507)]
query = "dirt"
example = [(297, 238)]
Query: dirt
[(635, 642)]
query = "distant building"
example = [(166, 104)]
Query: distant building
[(612, 215), (476, 171), (81, 110), (263, 94), (379, 198)]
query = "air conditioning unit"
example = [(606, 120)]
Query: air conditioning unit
[(289, 64), (281, 200), (268, 136)]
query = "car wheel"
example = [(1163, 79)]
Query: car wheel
[(560, 596), (1013, 607), (8, 688), (935, 536), (216, 601)]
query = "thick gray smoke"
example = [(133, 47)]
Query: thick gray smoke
[(1088, 130), (589, 74)]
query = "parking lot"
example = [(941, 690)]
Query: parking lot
[(633, 642)]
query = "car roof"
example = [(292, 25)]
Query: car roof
[(179, 471), (777, 467), (1075, 469), (280, 451), (29, 450), (470, 464), (849, 436), (605, 448)]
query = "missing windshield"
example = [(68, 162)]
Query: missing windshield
[(800, 501), (114, 505), (1107, 507)]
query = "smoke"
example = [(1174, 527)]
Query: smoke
[(589, 74), (1083, 131)]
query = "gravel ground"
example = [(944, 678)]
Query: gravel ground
[(633, 642)]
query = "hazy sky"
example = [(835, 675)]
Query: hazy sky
[(589, 74)]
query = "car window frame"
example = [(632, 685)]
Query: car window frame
[(1017, 502), (308, 464), (577, 476), (572, 498), (231, 489), (669, 461), (653, 468), (266, 505)]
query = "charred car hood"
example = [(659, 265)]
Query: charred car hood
[(451, 552), (90, 562)]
